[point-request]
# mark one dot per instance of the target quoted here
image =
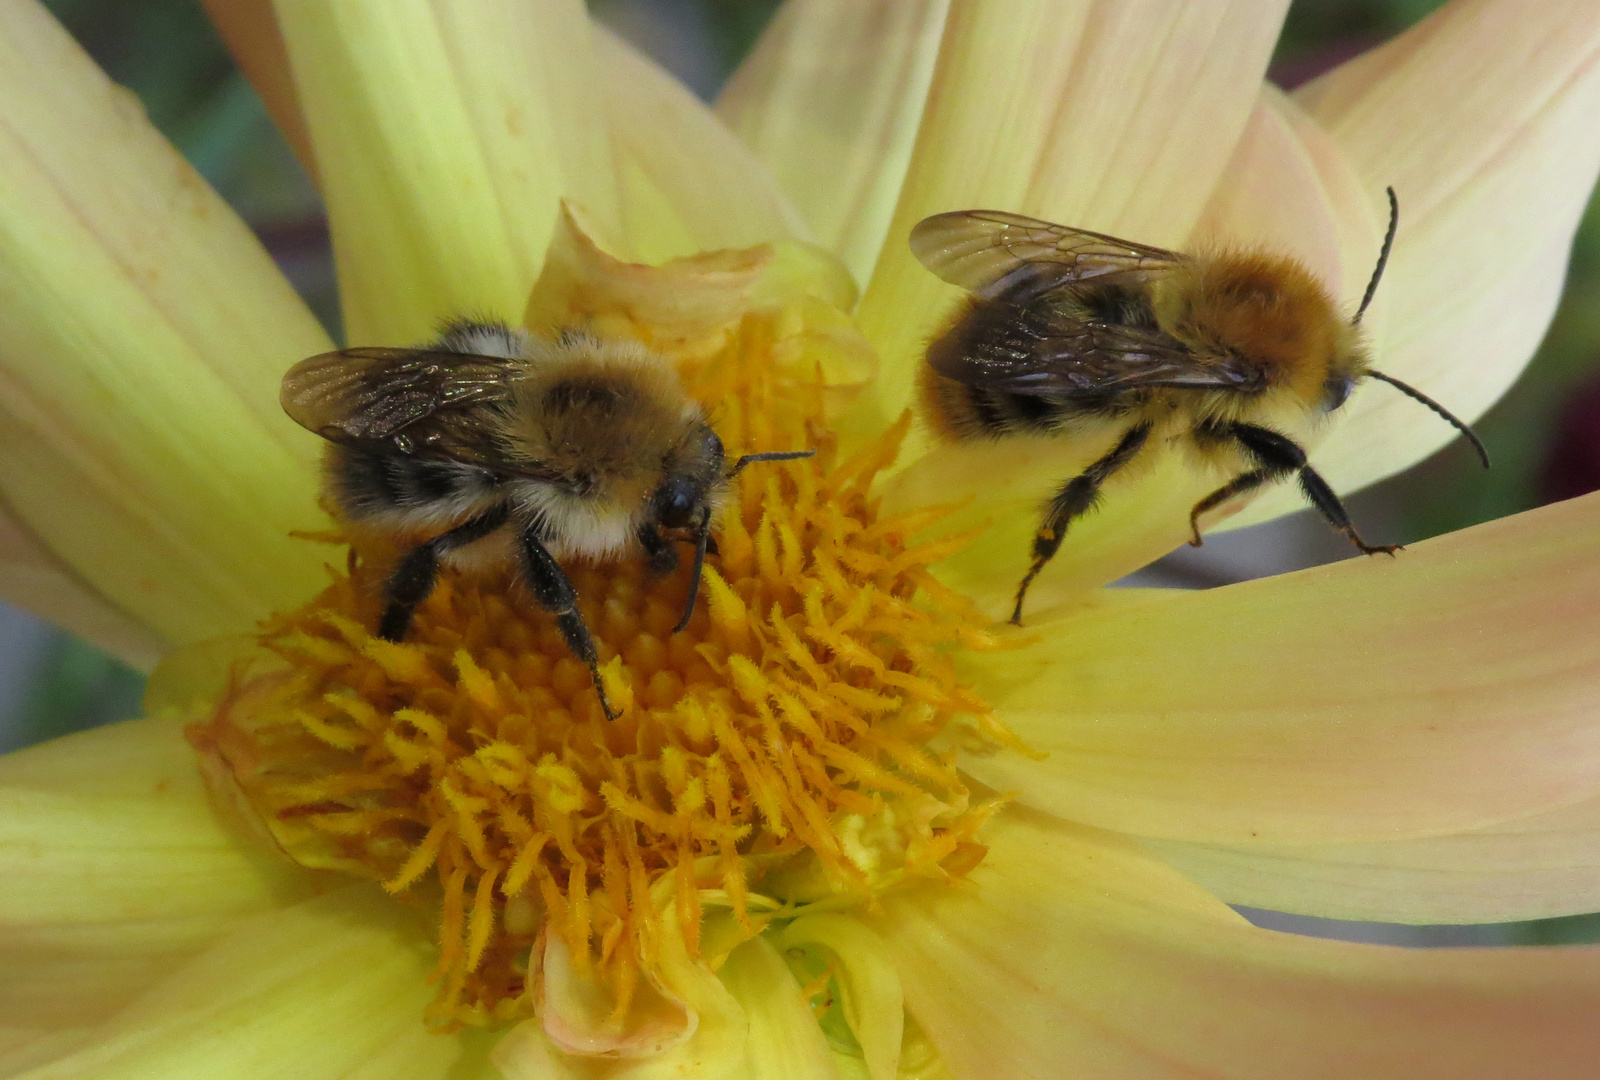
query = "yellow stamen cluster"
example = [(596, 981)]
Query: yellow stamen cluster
[(781, 738)]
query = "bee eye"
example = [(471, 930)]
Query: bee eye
[(1336, 391), (675, 504)]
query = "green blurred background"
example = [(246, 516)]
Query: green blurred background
[(165, 51)]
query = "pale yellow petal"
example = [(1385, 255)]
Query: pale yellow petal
[(873, 1002), (115, 869), (1072, 956), (142, 334), (188, 682), (830, 99), (1446, 689), (35, 578), (688, 184), (1537, 867), (784, 1040), (1003, 487), (135, 759), (445, 136), (329, 989), (687, 308), (22, 1048), (1483, 119), (1110, 116)]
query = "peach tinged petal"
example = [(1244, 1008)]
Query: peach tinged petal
[(686, 308), (1072, 950), (1446, 689), (250, 30), (687, 305), (1290, 189), (1482, 117), (1536, 867), (714, 1048), (580, 1015)]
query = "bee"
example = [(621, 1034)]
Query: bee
[(1068, 331), (489, 446)]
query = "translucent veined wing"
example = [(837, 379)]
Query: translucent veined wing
[(421, 402), (374, 394), (1050, 351), (996, 255)]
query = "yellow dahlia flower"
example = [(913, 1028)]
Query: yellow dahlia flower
[(843, 827)]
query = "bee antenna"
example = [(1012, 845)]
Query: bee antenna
[(1383, 257), (701, 538), (1413, 392), (771, 455)]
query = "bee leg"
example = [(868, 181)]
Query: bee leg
[(1328, 505), (1076, 497), (1280, 455), (413, 579), (1237, 486), (662, 554), (553, 591)]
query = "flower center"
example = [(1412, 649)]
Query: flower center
[(771, 755)]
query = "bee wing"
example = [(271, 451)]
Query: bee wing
[(372, 394), (1061, 356), (999, 256)]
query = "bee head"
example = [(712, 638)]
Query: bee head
[(684, 499), (676, 502), (685, 493)]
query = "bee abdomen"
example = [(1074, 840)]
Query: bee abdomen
[(367, 484), (965, 412), (1001, 412)]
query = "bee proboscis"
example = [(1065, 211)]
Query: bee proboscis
[(491, 446), (1069, 331)]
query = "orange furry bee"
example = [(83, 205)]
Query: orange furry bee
[(1069, 331)]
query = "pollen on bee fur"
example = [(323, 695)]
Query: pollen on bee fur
[(471, 766)]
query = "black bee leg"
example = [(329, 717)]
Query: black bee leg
[(1328, 505), (702, 544), (1237, 486), (662, 554), (553, 591), (1279, 455), (413, 579), (1076, 497)]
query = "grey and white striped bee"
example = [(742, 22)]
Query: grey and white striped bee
[(492, 447)]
